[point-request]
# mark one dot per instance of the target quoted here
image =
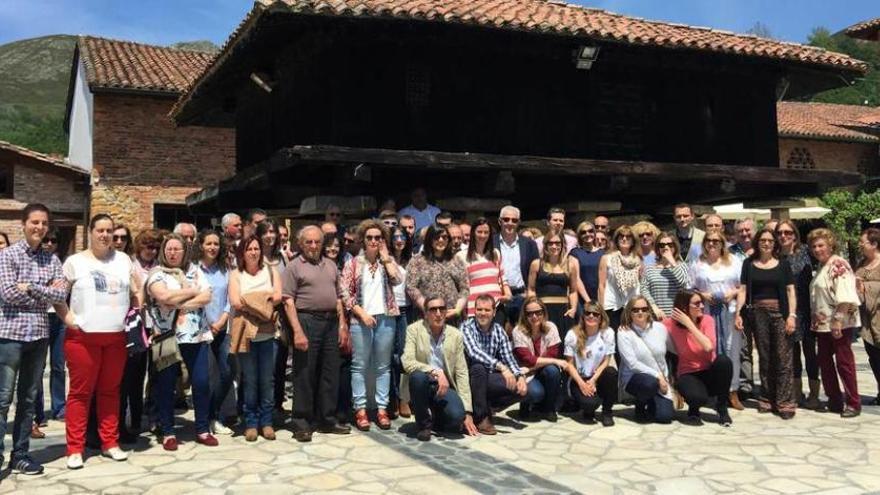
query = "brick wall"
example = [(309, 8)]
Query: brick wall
[(829, 155), (140, 158)]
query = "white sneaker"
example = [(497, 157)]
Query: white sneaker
[(114, 453), (75, 461), (220, 429)]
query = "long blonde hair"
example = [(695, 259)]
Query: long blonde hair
[(563, 254), (715, 236), (580, 330)]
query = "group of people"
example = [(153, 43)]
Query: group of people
[(447, 322)]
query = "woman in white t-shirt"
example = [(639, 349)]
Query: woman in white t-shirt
[(177, 295), (103, 285), (589, 347)]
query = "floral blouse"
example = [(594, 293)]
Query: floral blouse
[(350, 285), (446, 279), (192, 325)]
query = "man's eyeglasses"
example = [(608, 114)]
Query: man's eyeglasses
[(509, 220), (436, 309)]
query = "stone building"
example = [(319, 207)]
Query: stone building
[(142, 166), (27, 176), (824, 136)]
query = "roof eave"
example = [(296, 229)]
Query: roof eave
[(820, 137)]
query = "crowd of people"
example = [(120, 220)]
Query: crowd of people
[(410, 314)]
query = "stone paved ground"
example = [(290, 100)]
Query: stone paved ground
[(814, 453)]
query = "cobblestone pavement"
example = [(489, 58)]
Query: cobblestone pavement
[(814, 453)]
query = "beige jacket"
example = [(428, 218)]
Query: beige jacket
[(417, 357)]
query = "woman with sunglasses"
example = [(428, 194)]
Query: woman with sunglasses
[(701, 373), (588, 256), (401, 251), (835, 305), (716, 277), (798, 256), (619, 273), (589, 348), (536, 347), (483, 264), (332, 250), (665, 278), (273, 256), (641, 344), (177, 296), (553, 279), (366, 284), (122, 240), (438, 272), (868, 286), (646, 234), (768, 306)]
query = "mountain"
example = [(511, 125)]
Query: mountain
[(34, 76), (33, 90)]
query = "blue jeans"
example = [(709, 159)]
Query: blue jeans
[(430, 411), (220, 349), (258, 375), (24, 362), (646, 389), (544, 388), (196, 358), (400, 323), (57, 373), (371, 350)]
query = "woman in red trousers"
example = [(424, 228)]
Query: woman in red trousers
[(103, 285)]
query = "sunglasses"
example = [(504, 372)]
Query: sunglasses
[(50, 241), (436, 309), (537, 312), (509, 220), (120, 237), (442, 237), (398, 237), (785, 232), (646, 234), (554, 243), (588, 231), (389, 223), (640, 309), (349, 241), (601, 227), (372, 238), (665, 244), (714, 242), (591, 314)]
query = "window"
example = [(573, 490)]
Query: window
[(6, 180), (800, 158), (167, 216)]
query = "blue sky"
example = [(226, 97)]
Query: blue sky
[(168, 21)]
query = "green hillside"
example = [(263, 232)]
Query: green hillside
[(34, 76)]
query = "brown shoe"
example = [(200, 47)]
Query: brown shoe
[(361, 420), (383, 420), (735, 403), (268, 433), (36, 432), (250, 434), (403, 410), (486, 427)]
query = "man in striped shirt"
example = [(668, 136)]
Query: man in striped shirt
[(495, 378)]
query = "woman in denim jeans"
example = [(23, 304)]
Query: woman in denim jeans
[(366, 286), (401, 249), (258, 363)]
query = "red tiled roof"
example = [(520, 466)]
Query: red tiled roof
[(42, 157), (112, 64), (825, 121), (864, 30), (545, 16), (873, 119)]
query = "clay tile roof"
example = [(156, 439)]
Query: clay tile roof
[(112, 64), (545, 16), (41, 157), (872, 119), (864, 30), (826, 121)]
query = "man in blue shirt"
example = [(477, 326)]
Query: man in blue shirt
[(495, 378), (422, 212)]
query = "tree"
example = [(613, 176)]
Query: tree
[(848, 212), (760, 30), (865, 91)]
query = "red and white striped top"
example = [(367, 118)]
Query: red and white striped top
[(484, 277)]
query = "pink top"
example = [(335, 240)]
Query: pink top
[(691, 357), (484, 277)]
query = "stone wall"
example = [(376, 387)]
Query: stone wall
[(829, 155), (133, 205)]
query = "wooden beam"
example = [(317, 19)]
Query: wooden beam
[(591, 206), (350, 205), (472, 204)]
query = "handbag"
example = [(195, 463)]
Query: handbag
[(165, 352), (135, 333)]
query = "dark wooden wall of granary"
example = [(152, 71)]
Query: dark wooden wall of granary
[(406, 85)]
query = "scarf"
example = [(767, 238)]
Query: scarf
[(625, 270)]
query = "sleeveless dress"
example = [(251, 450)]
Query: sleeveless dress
[(552, 290)]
